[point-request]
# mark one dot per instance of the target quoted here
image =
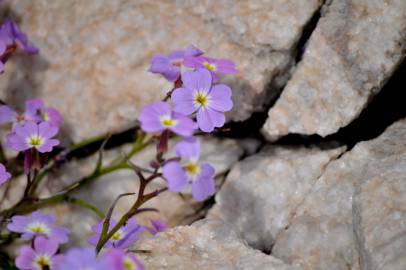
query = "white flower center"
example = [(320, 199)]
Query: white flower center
[(192, 169), (167, 121), (35, 141), (38, 228), (43, 262), (201, 100)]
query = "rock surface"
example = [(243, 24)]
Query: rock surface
[(354, 49), (261, 193), (173, 208), (205, 245), (94, 54), (362, 192)]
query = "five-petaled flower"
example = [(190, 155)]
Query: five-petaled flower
[(33, 135), (118, 259), (170, 66), (199, 95), (159, 117), (123, 238), (38, 224), (188, 170), (4, 175), (39, 257), (215, 66)]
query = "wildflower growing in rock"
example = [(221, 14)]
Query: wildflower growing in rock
[(33, 135), (159, 117), (157, 226), (36, 111), (123, 238), (4, 175), (200, 96), (38, 224), (180, 174), (118, 259), (82, 259), (170, 66), (11, 39), (42, 256), (215, 66), (7, 115)]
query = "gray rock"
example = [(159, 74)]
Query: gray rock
[(205, 245), (261, 193), (94, 54), (354, 49), (362, 192)]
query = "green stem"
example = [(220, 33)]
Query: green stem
[(85, 204)]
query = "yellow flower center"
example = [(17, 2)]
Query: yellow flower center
[(209, 66), (168, 122), (117, 236), (38, 227), (35, 141), (192, 168), (129, 264), (44, 116), (201, 100), (43, 262)]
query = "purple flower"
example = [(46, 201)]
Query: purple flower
[(157, 226), (118, 259), (32, 135), (159, 116), (7, 115), (169, 66), (41, 257), (123, 238), (215, 66), (38, 224), (178, 175), (198, 95), (36, 111), (11, 39), (4, 175), (82, 259)]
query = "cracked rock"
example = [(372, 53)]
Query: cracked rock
[(205, 245), (354, 217), (98, 52), (353, 51), (262, 192)]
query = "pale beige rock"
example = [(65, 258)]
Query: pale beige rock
[(261, 193), (205, 245), (173, 208), (95, 54), (363, 191), (354, 49)]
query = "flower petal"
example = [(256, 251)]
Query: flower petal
[(204, 187), (45, 246), (25, 258), (199, 80), (185, 126), (175, 175), (183, 100), (204, 121), (189, 148), (221, 98)]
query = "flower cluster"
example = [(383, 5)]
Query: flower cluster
[(197, 96), (11, 40)]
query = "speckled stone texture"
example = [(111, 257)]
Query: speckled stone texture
[(173, 208), (95, 54), (354, 216), (205, 245), (262, 192), (354, 49)]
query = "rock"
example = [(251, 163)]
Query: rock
[(173, 208), (205, 245), (362, 192), (94, 54), (354, 49), (261, 193)]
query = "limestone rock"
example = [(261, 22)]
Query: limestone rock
[(205, 245), (354, 49), (362, 192), (261, 193), (94, 54)]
